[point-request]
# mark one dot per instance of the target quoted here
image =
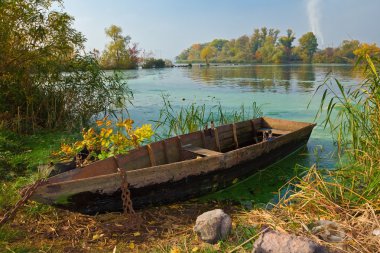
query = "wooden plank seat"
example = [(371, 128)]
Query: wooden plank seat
[(274, 131), (200, 151)]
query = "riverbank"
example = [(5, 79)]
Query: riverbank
[(170, 228), (39, 227)]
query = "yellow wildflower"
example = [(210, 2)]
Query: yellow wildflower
[(144, 132), (99, 122)]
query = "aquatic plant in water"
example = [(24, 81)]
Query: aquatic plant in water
[(193, 117)]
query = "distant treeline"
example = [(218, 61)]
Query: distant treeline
[(267, 46)]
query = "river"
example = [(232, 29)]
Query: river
[(283, 91)]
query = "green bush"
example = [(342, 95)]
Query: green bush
[(153, 63), (46, 79)]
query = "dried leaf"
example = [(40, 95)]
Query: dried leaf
[(97, 236)]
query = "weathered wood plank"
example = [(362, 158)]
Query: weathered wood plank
[(151, 155), (217, 139), (235, 135), (200, 151), (165, 152), (274, 131), (254, 132), (203, 138)]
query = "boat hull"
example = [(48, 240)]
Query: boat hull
[(230, 170)]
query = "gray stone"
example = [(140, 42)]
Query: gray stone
[(276, 242), (213, 226), (376, 232), (328, 231)]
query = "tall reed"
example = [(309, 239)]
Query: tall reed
[(193, 117), (349, 196), (353, 115)]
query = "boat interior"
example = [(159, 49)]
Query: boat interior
[(207, 142)]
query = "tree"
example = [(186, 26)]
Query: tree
[(326, 55), (194, 52), (286, 44), (242, 46), (118, 54), (207, 53), (218, 44), (347, 48), (268, 53), (274, 34), (308, 46), (265, 45), (371, 50), (47, 80), (255, 41), (183, 56)]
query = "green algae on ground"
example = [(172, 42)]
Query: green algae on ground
[(62, 200), (262, 187)]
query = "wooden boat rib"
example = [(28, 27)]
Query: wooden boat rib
[(177, 168)]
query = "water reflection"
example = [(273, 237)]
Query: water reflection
[(275, 78)]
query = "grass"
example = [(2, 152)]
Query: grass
[(318, 198), (21, 157), (194, 117)]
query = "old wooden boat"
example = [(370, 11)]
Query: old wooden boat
[(177, 168)]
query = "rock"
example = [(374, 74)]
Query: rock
[(328, 231), (276, 242), (376, 232), (213, 226)]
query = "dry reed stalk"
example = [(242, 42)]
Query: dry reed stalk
[(317, 198)]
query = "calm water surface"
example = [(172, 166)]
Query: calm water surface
[(282, 91)]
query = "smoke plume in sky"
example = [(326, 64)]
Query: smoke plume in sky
[(313, 11)]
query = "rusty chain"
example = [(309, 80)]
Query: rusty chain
[(25, 193), (125, 193)]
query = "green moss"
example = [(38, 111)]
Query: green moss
[(62, 200), (262, 187)]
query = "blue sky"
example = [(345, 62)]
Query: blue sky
[(166, 27)]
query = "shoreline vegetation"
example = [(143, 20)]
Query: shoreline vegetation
[(268, 47), (51, 90)]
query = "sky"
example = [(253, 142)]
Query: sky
[(166, 27)]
